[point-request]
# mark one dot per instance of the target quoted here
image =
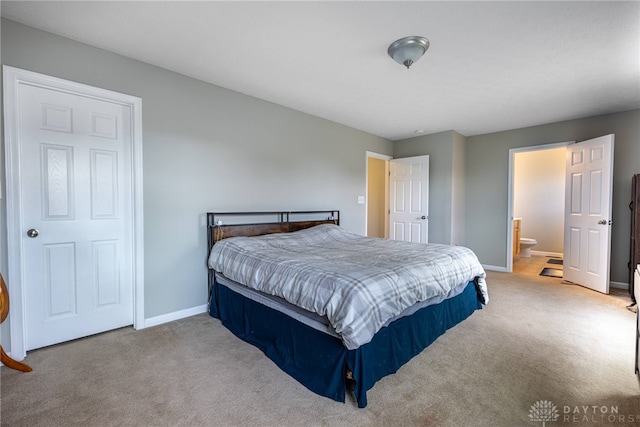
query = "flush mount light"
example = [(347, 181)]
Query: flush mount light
[(408, 50)]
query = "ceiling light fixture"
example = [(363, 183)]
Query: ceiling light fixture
[(408, 50)]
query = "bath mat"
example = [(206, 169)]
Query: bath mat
[(551, 272), (555, 261)]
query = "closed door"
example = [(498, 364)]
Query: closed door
[(588, 207), (76, 192), (409, 199)]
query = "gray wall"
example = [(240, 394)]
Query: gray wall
[(487, 162), (446, 182), (458, 204), (205, 149)]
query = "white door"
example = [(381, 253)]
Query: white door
[(409, 199), (588, 207), (76, 216)]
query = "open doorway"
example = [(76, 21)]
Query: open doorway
[(377, 200), (536, 203)]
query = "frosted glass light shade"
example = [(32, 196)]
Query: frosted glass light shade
[(408, 50)]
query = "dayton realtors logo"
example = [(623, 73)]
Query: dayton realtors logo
[(545, 411)]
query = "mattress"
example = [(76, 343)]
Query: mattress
[(359, 284), (314, 320)]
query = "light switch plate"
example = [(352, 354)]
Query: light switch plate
[(361, 200)]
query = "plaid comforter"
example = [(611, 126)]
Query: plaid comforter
[(358, 282)]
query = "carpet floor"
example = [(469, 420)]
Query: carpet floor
[(539, 352)]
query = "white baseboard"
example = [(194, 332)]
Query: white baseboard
[(166, 318), (494, 268), (543, 253), (176, 315), (619, 285)]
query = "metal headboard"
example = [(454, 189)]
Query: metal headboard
[(221, 225)]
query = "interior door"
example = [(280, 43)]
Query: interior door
[(409, 199), (76, 193), (588, 207)]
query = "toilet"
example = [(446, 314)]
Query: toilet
[(525, 246)]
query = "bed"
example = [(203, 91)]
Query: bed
[(335, 310)]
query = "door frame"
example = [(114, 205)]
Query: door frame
[(510, 191), (13, 78)]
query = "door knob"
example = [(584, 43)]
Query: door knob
[(423, 217), (603, 222), (32, 232)]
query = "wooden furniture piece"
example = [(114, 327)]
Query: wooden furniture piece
[(635, 235), (4, 312)]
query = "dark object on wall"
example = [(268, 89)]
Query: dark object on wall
[(635, 233)]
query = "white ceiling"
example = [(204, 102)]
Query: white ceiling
[(491, 66)]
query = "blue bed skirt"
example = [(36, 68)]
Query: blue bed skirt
[(320, 361)]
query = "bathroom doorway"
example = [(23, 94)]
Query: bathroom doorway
[(537, 199)]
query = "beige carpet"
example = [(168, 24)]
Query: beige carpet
[(537, 340)]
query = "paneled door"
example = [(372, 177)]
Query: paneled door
[(588, 207), (409, 199), (77, 229)]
